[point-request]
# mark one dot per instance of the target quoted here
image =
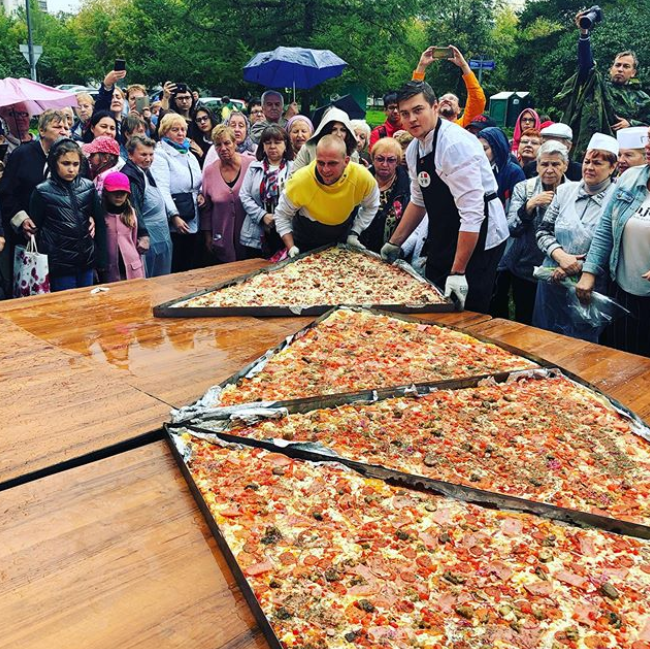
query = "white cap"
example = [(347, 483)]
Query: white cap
[(603, 142), (632, 137), (563, 131)]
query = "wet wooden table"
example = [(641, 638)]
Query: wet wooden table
[(114, 553), (174, 360), (82, 372)]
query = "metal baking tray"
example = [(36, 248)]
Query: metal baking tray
[(465, 494), (225, 423), (168, 310), (203, 405), (236, 570)]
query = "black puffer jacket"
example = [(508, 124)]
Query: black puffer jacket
[(62, 210)]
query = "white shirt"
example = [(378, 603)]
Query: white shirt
[(463, 166), (635, 252)]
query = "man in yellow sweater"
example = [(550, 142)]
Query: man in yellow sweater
[(319, 200), (448, 105)]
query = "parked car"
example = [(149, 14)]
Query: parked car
[(215, 104)]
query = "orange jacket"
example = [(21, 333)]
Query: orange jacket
[(475, 97)]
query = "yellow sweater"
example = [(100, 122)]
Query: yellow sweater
[(329, 204)]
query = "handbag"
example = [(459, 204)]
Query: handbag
[(184, 201), (185, 205), (31, 270)]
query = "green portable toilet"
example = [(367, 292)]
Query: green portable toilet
[(499, 107), (506, 106)]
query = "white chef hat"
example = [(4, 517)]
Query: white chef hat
[(632, 137), (603, 142)]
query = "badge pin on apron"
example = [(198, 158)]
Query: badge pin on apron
[(424, 179)]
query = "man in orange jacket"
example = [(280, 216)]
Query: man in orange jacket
[(448, 105)]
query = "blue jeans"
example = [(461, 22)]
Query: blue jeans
[(76, 280)]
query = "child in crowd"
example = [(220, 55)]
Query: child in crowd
[(124, 261), (62, 208)]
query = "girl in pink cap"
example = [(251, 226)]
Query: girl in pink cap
[(124, 261)]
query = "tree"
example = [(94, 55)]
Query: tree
[(12, 63)]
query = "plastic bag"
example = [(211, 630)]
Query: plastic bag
[(600, 311), (31, 270)]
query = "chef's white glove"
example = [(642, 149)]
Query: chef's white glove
[(353, 241), (457, 285), (294, 251), (390, 252)]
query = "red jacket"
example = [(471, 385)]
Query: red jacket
[(385, 130)]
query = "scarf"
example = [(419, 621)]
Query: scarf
[(594, 190), (247, 146), (270, 186), (183, 148)]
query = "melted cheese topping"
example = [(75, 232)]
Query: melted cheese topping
[(336, 560), (334, 276)]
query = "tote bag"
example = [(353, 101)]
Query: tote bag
[(31, 270)]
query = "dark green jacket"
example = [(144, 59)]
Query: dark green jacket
[(592, 103)]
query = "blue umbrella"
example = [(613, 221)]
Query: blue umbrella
[(296, 67)]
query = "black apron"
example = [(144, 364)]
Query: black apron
[(309, 235), (442, 238)]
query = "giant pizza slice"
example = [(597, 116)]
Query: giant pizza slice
[(339, 561), (337, 275), (354, 350), (548, 440)]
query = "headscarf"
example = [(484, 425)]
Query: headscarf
[(517, 134), (507, 172), (247, 145), (297, 118)]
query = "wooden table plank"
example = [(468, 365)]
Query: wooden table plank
[(116, 554), (175, 360), (58, 406), (625, 377)]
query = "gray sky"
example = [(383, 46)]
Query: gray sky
[(70, 6)]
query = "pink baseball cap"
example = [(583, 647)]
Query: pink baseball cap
[(116, 181), (102, 144)]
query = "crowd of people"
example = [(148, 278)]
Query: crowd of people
[(121, 189)]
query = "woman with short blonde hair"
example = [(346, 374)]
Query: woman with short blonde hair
[(170, 120), (223, 216), (394, 190), (362, 131), (178, 176), (388, 146)]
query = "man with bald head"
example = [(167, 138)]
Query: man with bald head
[(317, 207)]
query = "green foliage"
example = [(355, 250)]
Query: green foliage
[(207, 42)]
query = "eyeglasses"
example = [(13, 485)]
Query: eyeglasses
[(185, 98), (527, 119), (204, 118), (391, 160)]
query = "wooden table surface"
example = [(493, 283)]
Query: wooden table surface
[(175, 360), (80, 372), (114, 553)]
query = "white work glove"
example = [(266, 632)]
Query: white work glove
[(390, 252), (457, 285), (353, 241), (294, 251)]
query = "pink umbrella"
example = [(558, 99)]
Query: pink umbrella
[(36, 97)]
